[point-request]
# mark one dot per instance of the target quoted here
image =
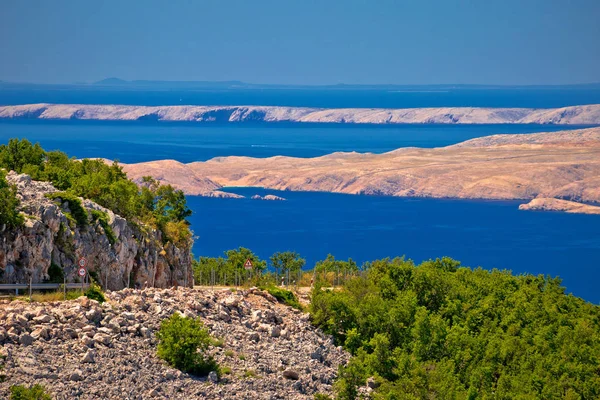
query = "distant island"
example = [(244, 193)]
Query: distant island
[(561, 165), (573, 115)]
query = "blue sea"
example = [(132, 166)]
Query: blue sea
[(491, 234)]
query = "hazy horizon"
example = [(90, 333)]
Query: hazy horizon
[(354, 42)]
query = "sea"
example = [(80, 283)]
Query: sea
[(490, 234)]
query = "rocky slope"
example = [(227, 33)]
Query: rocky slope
[(564, 165), (81, 349), (584, 115), (136, 257)]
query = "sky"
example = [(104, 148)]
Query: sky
[(309, 42)]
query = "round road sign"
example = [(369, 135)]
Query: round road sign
[(81, 271), (82, 262)]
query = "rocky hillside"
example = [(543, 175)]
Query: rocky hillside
[(82, 349), (582, 115), (563, 165), (119, 253)]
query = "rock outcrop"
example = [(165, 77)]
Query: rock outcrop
[(582, 115), (269, 197), (545, 204), (131, 255), (82, 349)]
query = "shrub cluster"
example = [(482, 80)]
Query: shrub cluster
[(439, 330), (159, 206), (9, 204), (183, 344), (94, 292), (284, 296), (35, 392), (102, 219)]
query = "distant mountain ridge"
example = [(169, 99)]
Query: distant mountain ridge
[(113, 81), (573, 115)]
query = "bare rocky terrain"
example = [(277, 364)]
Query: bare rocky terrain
[(542, 204), (561, 165), (83, 349), (582, 115)]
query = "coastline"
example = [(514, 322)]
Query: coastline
[(563, 165), (571, 115)]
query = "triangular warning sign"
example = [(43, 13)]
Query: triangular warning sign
[(248, 264)]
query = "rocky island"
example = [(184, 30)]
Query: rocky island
[(558, 165), (580, 115)]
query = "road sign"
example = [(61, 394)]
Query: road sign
[(248, 264), (81, 272), (82, 262)]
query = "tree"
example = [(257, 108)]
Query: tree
[(20, 153), (9, 204), (287, 261), (236, 259)]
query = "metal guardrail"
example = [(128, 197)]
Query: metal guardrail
[(41, 286)]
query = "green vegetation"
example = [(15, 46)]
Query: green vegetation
[(250, 373), (321, 396), (439, 330), (74, 204), (55, 274), (183, 344), (157, 206), (284, 296), (102, 218), (35, 392), (229, 270), (287, 262), (94, 292), (225, 370), (9, 204), (285, 269), (229, 353)]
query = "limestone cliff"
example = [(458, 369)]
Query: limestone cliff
[(127, 255), (582, 115)]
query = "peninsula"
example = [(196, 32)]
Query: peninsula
[(555, 165), (574, 115)]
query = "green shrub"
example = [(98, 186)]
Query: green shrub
[(284, 296), (35, 392), (9, 204), (225, 370), (55, 274), (94, 292), (78, 212), (250, 373), (229, 353), (183, 344), (154, 205), (439, 330), (321, 396), (102, 219)]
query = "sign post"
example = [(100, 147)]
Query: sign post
[(248, 265), (81, 271)]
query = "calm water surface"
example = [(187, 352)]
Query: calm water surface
[(491, 234), (479, 233)]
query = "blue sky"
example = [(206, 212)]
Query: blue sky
[(302, 42)]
